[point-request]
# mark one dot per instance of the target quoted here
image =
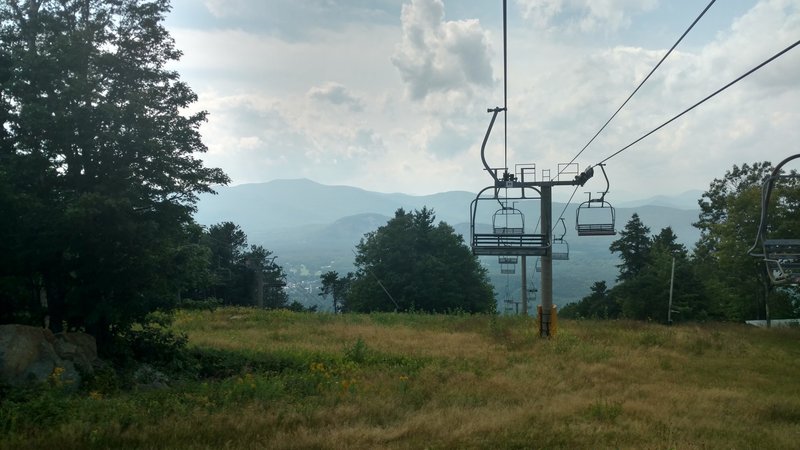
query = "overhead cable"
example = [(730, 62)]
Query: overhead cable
[(566, 206), (746, 74), (643, 81), (505, 88)]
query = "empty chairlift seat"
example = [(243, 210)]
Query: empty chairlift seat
[(508, 237), (595, 218), (560, 248), (782, 257), (508, 264)]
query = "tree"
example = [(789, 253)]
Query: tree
[(598, 304), (729, 218), (633, 247), (242, 276), (666, 241), (337, 288), (97, 160), (228, 244), (412, 264), (266, 277)]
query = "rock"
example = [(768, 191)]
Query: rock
[(80, 348), (146, 377), (33, 354)]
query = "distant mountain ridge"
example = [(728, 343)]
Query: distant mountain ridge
[(288, 203), (684, 200), (312, 228)]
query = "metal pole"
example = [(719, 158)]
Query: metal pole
[(524, 270), (766, 303), (547, 260), (671, 282)]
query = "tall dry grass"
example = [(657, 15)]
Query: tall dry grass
[(418, 381)]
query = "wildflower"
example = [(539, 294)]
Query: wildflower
[(55, 376)]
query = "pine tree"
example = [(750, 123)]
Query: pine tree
[(633, 247)]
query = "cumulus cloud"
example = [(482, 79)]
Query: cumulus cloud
[(436, 55), (336, 94), (765, 29), (583, 15)]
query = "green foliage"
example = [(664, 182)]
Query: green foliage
[(212, 363), (357, 353), (337, 288), (151, 342), (98, 167), (412, 264), (598, 305), (207, 304), (644, 282), (241, 275), (730, 213), (633, 247)]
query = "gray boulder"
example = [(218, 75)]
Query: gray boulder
[(33, 354)]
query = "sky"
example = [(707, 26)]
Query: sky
[(392, 95)]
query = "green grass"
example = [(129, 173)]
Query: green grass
[(292, 380)]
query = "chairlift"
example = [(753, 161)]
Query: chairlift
[(508, 221), (508, 264), (781, 255), (560, 247), (508, 236), (596, 217)]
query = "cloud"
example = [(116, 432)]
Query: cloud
[(294, 20), (584, 16), (399, 104), (436, 55), (574, 91), (336, 94)]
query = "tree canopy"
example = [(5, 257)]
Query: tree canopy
[(98, 162), (728, 222), (412, 264)]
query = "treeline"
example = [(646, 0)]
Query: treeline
[(229, 272), (718, 279)]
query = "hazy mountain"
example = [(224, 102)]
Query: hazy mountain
[(290, 203), (313, 228), (685, 200)]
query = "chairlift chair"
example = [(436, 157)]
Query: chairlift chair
[(781, 256), (508, 264), (508, 220), (560, 247), (508, 236), (596, 217)]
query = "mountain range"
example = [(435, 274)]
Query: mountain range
[(313, 228)]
